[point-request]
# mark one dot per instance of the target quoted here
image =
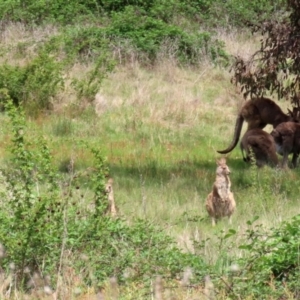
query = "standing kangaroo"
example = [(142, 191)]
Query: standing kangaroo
[(220, 202), (112, 208), (262, 145), (258, 113)]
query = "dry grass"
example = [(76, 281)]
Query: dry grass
[(22, 43), (162, 126), (239, 43)]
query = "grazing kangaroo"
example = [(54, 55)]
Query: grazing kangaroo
[(262, 145), (220, 202), (287, 139), (112, 209), (258, 113)]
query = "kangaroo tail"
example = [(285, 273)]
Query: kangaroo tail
[(236, 137)]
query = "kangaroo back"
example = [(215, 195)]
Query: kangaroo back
[(261, 144)]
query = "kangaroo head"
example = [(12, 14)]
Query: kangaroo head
[(108, 187), (222, 168)]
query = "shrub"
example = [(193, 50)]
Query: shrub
[(148, 34), (33, 85), (128, 30), (30, 218), (244, 13), (88, 87), (42, 11), (80, 42), (273, 257)]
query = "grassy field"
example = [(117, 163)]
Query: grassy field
[(159, 129)]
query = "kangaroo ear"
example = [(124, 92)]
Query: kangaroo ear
[(221, 161)]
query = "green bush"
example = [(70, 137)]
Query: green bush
[(130, 32), (267, 266), (244, 13), (42, 11), (273, 257), (80, 42), (34, 84), (147, 34)]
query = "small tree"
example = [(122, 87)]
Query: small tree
[(275, 67)]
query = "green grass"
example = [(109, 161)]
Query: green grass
[(162, 153), (159, 130)]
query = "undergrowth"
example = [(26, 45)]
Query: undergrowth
[(45, 217)]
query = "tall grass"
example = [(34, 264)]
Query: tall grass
[(159, 129)]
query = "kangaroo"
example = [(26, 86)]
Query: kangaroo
[(263, 146), (258, 112), (220, 202), (112, 209), (287, 139)]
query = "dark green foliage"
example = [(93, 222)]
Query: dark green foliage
[(43, 11), (147, 34), (33, 84), (274, 256), (12, 78), (267, 265), (120, 5), (83, 42), (220, 12), (243, 13)]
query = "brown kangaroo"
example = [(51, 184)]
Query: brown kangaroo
[(220, 202), (287, 139), (112, 208), (262, 145), (258, 113)]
